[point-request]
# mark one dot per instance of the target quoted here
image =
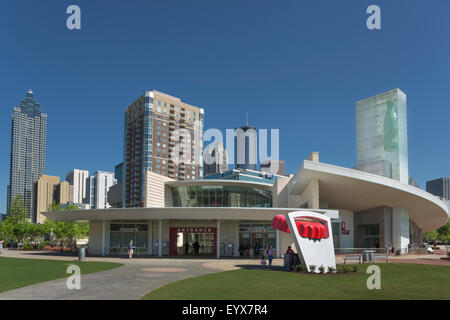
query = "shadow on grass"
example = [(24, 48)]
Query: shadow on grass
[(261, 267)]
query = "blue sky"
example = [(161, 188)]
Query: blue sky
[(299, 66)]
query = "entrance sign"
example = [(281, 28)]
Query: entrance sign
[(312, 236)]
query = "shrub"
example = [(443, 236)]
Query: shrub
[(321, 269), (354, 268), (301, 268), (331, 270), (312, 268)]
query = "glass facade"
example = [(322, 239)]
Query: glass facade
[(28, 151), (121, 234), (221, 196), (255, 238), (381, 135)]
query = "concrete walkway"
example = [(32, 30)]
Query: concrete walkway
[(132, 281), (139, 276)]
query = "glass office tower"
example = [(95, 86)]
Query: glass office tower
[(28, 150), (381, 135)]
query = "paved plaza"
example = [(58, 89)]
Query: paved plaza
[(139, 276)]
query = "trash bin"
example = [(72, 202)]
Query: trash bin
[(82, 254), (368, 255), (1, 247), (287, 261)]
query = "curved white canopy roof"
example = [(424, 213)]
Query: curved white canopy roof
[(355, 190)]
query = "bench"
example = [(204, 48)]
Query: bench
[(352, 257), (380, 257)]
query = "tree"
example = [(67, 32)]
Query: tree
[(443, 233), (16, 220), (4, 231), (66, 232)]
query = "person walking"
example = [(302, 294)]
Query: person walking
[(270, 256), (196, 246), (130, 249), (186, 248)]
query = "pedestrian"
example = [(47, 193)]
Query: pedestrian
[(270, 256), (130, 249), (289, 250), (256, 248), (196, 246), (9, 244), (186, 248)]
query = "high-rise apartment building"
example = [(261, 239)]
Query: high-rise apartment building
[(28, 150), (381, 135), (97, 187), (439, 187), (77, 179), (164, 135), (215, 159)]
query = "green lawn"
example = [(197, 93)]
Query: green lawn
[(16, 272), (398, 281)]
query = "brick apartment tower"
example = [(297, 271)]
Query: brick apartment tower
[(162, 135)]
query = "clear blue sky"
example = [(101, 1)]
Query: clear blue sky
[(296, 65)]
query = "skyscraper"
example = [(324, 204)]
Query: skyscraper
[(218, 159), (439, 187), (245, 148), (28, 150), (118, 172), (163, 135), (77, 179), (381, 135)]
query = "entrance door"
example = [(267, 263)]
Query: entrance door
[(193, 244), (183, 242)]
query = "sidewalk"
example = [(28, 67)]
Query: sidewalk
[(132, 281)]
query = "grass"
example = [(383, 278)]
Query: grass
[(17, 272), (398, 281)]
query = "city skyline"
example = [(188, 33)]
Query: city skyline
[(85, 97)]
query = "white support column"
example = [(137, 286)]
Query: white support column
[(149, 237), (278, 244), (218, 240), (103, 238), (160, 239)]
